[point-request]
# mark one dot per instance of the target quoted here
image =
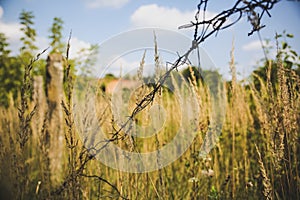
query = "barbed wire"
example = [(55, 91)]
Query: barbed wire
[(254, 10)]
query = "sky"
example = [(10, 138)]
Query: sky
[(100, 21)]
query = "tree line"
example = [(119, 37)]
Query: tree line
[(12, 66)]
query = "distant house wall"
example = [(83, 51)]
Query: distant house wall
[(118, 84)]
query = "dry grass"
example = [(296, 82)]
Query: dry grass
[(236, 168)]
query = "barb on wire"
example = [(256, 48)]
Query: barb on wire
[(253, 9)]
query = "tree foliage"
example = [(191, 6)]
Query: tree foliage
[(56, 35), (29, 33), (10, 73), (4, 45)]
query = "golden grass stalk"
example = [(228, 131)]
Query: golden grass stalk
[(266, 181)]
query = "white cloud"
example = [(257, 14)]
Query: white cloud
[(12, 33), (106, 3), (254, 45), (123, 64), (11, 30), (76, 45), (153, 15)]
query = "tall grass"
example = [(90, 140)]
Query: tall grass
[(255, 157)]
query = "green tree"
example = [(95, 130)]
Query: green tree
[(10, 73), (26, 20), (3, 45), (187, 73), (28, 39), (86, 60), (56, 35)]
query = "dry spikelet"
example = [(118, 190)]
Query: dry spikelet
[(193, 80), (232, 66), (283, 102), (266, 181), (265, 110), (141, 67)]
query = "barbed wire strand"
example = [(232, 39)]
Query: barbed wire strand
[(209, 27)]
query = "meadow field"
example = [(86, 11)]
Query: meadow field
[(256, 155), (183, 132)]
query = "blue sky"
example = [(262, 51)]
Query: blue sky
[(96, 21)]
